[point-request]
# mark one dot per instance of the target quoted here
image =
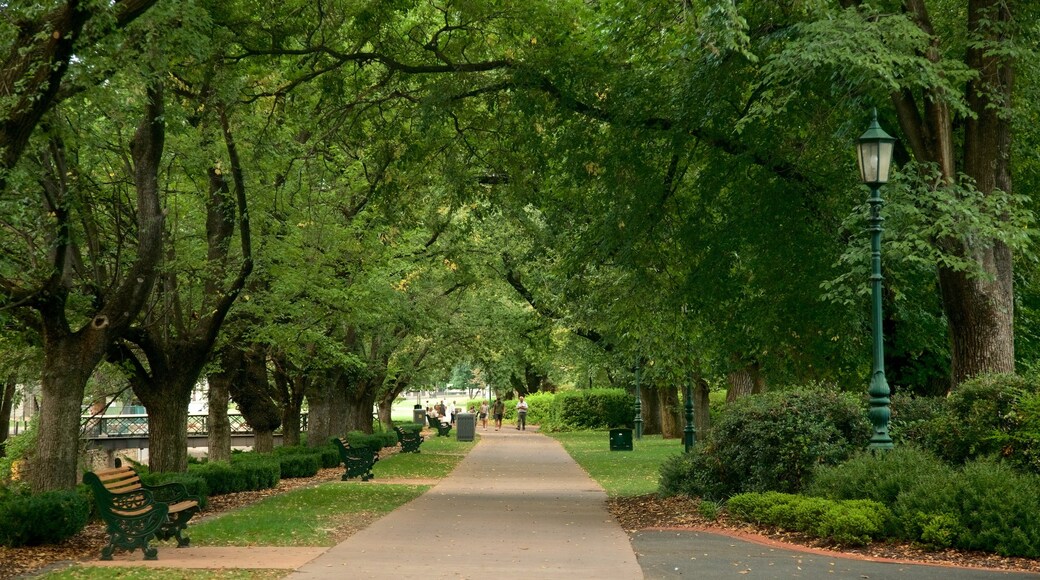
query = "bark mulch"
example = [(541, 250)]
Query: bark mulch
[(650, 511)]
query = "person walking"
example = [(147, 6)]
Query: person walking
[(484, 414), (499, 410), (521, 414)]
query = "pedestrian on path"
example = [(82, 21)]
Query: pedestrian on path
[(521, 414), (484, 414), (500, 409)]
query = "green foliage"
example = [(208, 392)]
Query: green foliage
[(194, 484), (589, 409), (982, 417), (299, 464), (709, 510), (849, 522), (46, 518), (983, 506), (376, 441), (19, 447), (251, 472), (328, 454), (770, 442), (911, 417), (882, 477), (692, 475)]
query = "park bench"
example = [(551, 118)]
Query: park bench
[(135, 513), (357, 460), (410, 440), (443, 429)]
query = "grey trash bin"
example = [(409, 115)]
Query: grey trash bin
[(621, 440), (419, 416), (465, 426)]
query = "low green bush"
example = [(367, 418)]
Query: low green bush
[(998, 509), (978, 419), (882, 477), (374, 440), (589, 409), (847, 522), (194, 484), (245, 472), (45, 518), (327, 454), (772, 442), (298, 465), (692, 475)]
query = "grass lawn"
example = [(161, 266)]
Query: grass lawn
[(437, 457), (106, 572), (304, 517), (620, 473)]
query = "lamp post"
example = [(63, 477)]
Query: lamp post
[(639, 406), (689, 436), (874, 153)]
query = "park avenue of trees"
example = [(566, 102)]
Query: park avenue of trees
[(330, 203)]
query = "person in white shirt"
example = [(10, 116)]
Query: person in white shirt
[(484, 414), (521, 415)]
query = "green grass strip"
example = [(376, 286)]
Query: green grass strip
[(142, 573), (620, 473), (304, 517)]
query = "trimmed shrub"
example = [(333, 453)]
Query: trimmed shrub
[(692, 475), (194, 484), (773, 442), (375, 440), (882, 477), (850, 522), (977, 420), (998, 509), (911, 417), (590, 409), (245, 472), (327, 454), (45, 518), (298, 465)]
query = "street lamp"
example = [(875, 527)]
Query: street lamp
[(874, 153), (689, 433), (639, 406)]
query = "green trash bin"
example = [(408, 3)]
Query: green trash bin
[(621, 440)]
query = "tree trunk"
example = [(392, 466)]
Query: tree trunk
[(701, 407), (320, 400), (290, 389), (251, 390), (672, 421), (744, 382), (219, 436), (263, 441), (651, 400), (6, 404), (168, 423), (384, 412), (360, 399), (67, 364)]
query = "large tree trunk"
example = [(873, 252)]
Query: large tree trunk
[(360, 398), (6, 404), (744, 382), (252, 392), (290, 389), (672, 421), (166, 401), (651, 400), (322, 396), (219, 436), (701, 407), (978, 306)]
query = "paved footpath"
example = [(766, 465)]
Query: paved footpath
[(519, 507), (516, 507)]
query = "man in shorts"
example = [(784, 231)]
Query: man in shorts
[(484, 414), (498, 411)]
